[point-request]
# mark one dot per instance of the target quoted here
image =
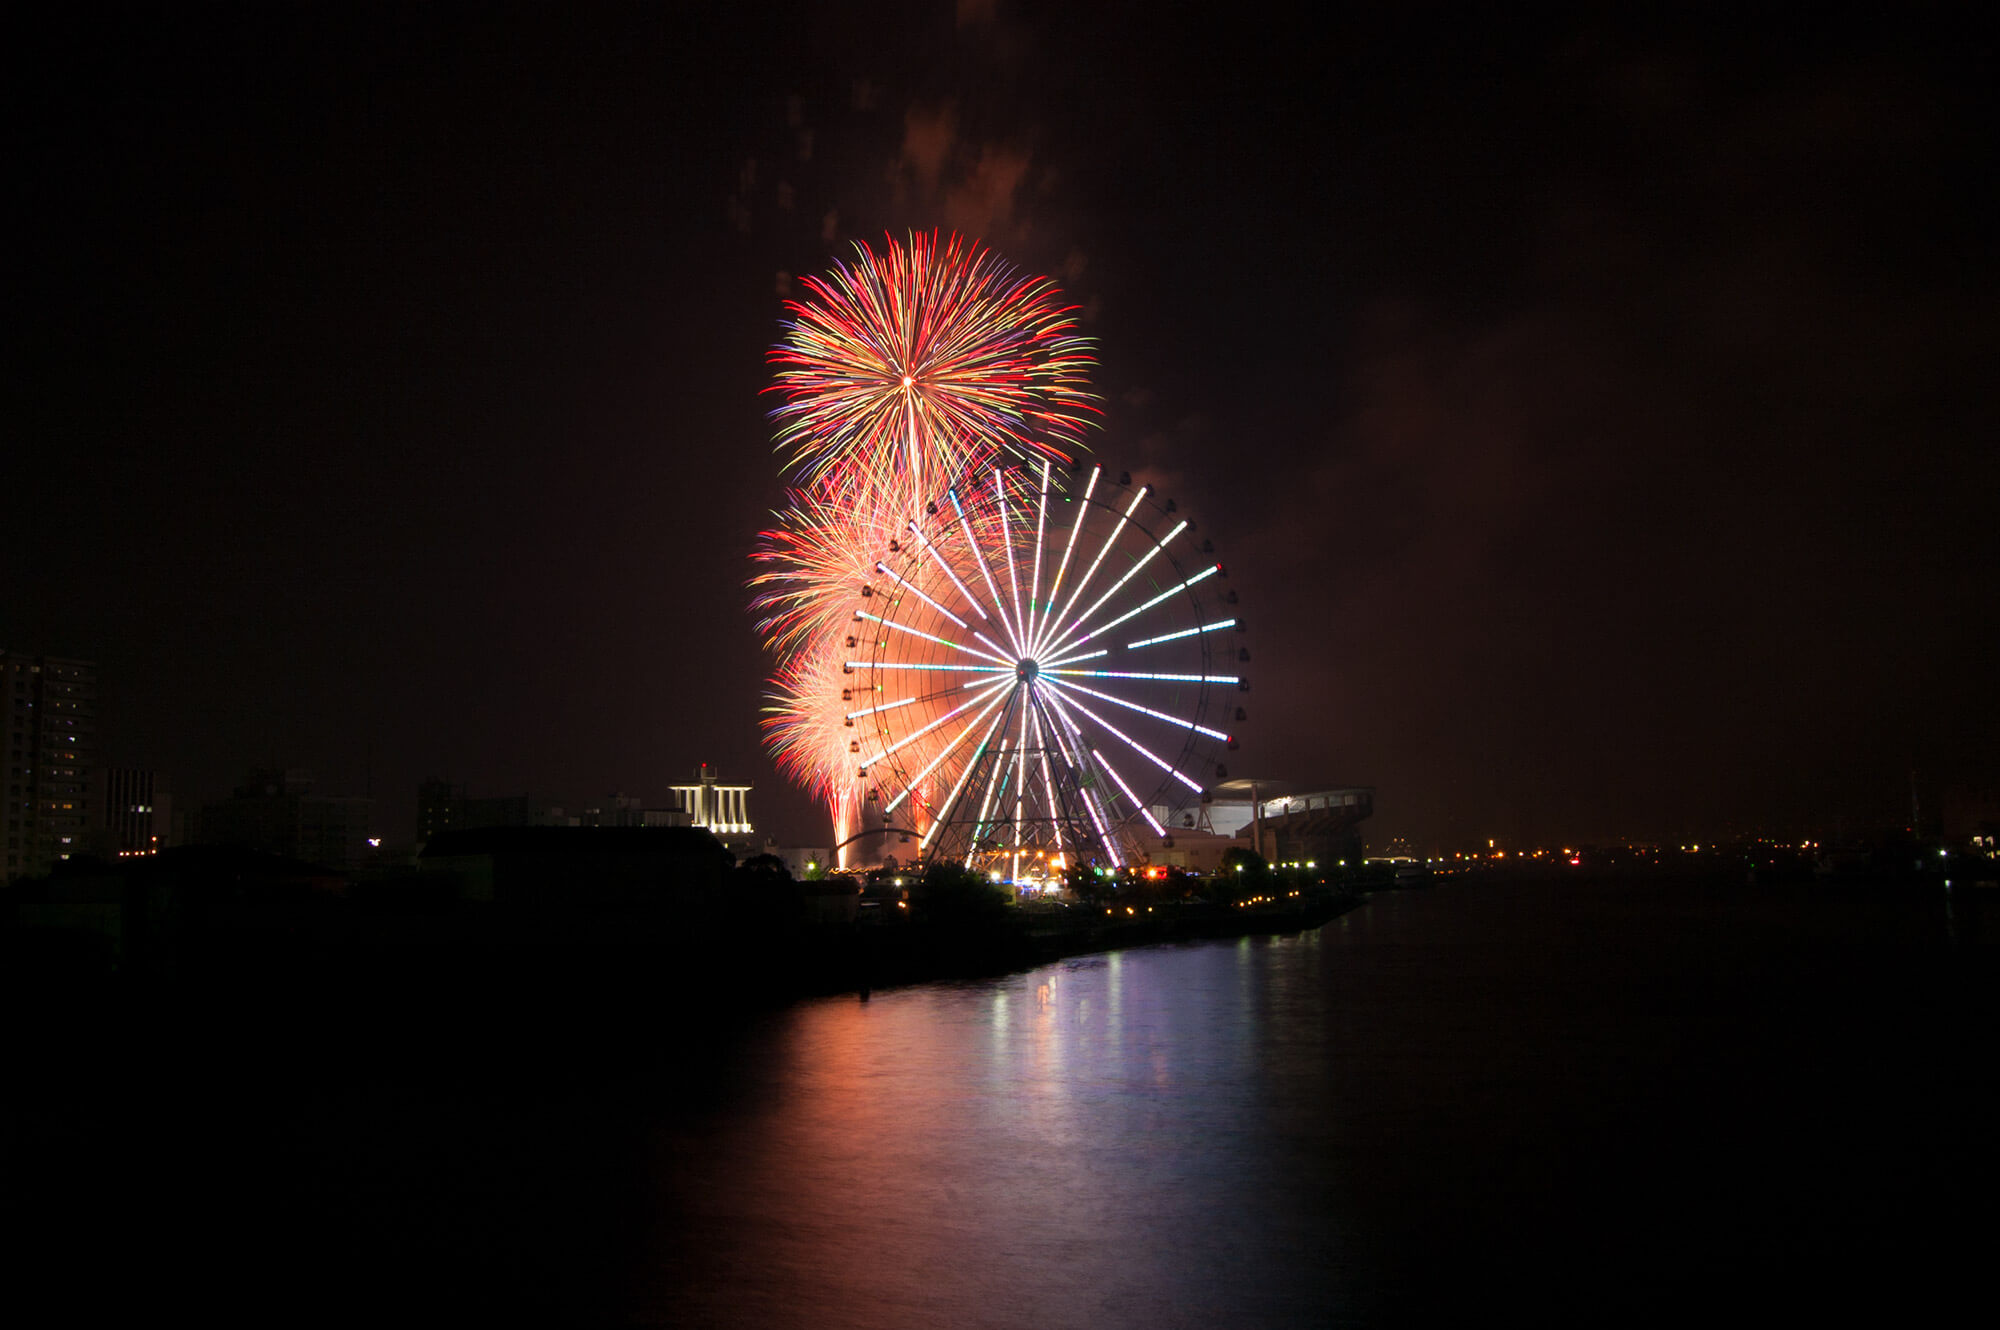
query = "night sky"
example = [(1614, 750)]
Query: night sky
[(1597, 420)]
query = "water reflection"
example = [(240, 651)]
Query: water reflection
[(1098, 1139), (1582, 1107)]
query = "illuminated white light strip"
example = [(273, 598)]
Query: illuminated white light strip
[(1098, 817), (1071, 660), (1075, 530), (924, 543), (1020, 789), (1035, 572), (1185, 632), (1048, 778), (915, 735), (1205, 573), (1130, 573), (971, 765), (1158, 830), (1007, 546), (925, 665), (996, 782), (1106, 549), (1122, 674), (986, 804), (869, 711), (910, 586), (979, 557), (949, 748), (1134, 706), (932, 637), (1136, 746), (1075, 759)]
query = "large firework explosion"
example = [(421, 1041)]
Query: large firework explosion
[(921, 359)]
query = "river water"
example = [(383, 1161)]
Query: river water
[(1571, 1101)]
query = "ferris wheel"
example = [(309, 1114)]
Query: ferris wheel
[(1041, 673)]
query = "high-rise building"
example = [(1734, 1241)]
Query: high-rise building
[(49, 742)]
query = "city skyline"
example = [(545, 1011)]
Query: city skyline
[(1592, 415)]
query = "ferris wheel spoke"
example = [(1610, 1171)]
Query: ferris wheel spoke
[(1166, 595), (1179, 721), (910, 587), (877, 710), (1116, 587), (985, 573), (1075, 529), (1007, 544), (1217, 626), (950, 804), (993, 783), (1061, 815), (1093, 804), (1021, 788), (1110, 539), (931, 665), (1053, 804), (944, 753), (928, 546), (999, 660), (1053, 666), (1143, 811), (1035, 569), (917, 734), (1136, 674), (1061, 731), (1135, 745)]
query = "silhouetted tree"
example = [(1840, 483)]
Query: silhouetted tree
[(764, 894), (1249, 860), (764, 867), (954, 896), (1087, 886)]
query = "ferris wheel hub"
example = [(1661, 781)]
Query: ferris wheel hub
[(1027, 670)]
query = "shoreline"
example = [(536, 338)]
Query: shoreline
[(471, 988)]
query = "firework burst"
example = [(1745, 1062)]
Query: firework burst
[(821, 552), (923, 359)]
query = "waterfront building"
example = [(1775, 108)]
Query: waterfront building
[(48, 739), (1239, 807), (1282, 821), (722, 809)]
